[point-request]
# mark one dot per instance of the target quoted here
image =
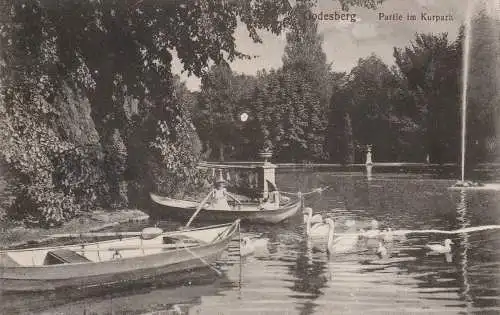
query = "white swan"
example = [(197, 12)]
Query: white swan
[(259, 243), (386, 256), (382, 251), (246, 247), (175, 309), (350, 223), (387, 235), (257, 246), (374, 232), (342, 244), (441, 249), (316, 230), (317, 218)]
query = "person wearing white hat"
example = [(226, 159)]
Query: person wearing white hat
[(220, 194)]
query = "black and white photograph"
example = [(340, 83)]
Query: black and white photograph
[(232, 157)]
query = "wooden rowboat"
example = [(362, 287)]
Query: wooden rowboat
[(247, 211), (136, 298), (114, 261)]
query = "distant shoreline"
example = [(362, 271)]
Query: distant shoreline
[(243, 164)]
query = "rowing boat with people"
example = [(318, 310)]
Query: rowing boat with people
[(250, 211), (150, 253)]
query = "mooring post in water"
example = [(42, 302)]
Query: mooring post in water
[(266, 175)]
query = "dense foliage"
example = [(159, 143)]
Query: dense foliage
[(218, 109), (483, 110), (114, 58), (432, 67), (287, 108), (409, 112), (91, 114)]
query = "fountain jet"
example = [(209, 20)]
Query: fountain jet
[(462, 183), (465, 81)]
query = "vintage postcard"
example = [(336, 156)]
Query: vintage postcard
[(249, 157)]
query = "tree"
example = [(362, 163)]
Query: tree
[(340, 139), (117, 55), (367, 97), (482, 87), (307, 77), (220, 106), (432, 67), (304, 51)]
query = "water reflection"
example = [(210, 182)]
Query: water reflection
[(293, 276), (309, 273), (369, 169), (465, 245)]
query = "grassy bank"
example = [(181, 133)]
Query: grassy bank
[(17, 235)]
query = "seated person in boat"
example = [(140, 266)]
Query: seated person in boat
[(219, 196), (273, 201)]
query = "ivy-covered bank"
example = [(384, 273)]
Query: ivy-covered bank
[(91, 115)]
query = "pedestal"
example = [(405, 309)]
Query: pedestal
[(266, 174), (266, 179), (369, 172)]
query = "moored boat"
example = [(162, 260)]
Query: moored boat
[(163, 292), (114, 261), (246, 211)]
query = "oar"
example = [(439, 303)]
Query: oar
[(146, 233), (202, 203), (136, 247)]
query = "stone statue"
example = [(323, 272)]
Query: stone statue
[(369, 155)]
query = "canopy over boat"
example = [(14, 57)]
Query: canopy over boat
[(118, 260)]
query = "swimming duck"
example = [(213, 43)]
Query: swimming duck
[(317, 218), (441, 249)]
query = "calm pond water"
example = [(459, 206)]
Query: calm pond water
[(290, 275)]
